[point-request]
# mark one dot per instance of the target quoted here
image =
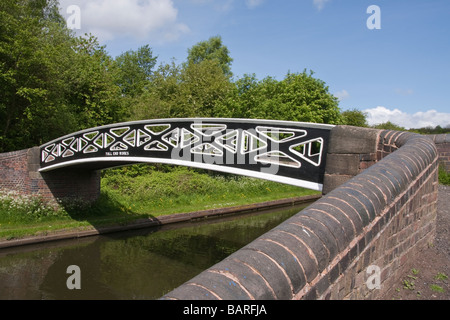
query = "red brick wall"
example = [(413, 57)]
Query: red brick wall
[(442, 142), (14, 171), (19, 172)]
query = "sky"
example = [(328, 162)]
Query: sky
[(388, 58)]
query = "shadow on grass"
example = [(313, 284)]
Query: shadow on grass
[(106, 212)]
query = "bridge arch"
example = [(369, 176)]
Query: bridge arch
[(281, 151)]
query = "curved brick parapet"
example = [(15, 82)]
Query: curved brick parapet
[(442, 142), (372, 222)]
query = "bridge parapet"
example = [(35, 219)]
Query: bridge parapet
[(350, 244), (442, 142)]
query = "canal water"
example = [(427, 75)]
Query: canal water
[(140, 264)]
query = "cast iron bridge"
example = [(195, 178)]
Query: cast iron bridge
[(282, 151)]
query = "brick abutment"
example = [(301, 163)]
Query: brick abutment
[(19, 172)]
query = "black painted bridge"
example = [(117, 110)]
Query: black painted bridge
[(282, 151)]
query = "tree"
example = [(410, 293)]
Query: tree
[(212, 49), (94, 98), (298, 97), (389, 126), (134, 70), (31, 34), (186, 90), (355, 118), (53, 83), (160, 98), (308, 99), (203, 86)]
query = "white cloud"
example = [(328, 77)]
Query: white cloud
[(253, 3), (342, 95), (320, 4), (417, 120), (139, 19)]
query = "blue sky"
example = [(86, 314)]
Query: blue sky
[(400, 72)]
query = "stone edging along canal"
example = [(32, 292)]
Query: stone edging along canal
[(159, 221)]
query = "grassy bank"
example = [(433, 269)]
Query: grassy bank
[(170, 189), (137, 192)]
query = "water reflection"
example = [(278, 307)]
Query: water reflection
[(142, 264)]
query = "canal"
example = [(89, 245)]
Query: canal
[(139, 264)]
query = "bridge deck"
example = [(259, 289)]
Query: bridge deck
[(282, 151)]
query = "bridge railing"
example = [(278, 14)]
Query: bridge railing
[(281, 151)]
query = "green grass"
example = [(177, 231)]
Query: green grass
[(136, 192), (161, 193), (435, 287), (30, 215), (444, 177), (441, 276)]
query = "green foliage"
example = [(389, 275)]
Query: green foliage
[(134, 70), (440, 276), (17, 209), (436, 288), (52, 82), (389, 126), (94, 97), (212, 50), (178, 189), (444, 176), (203, 85), (26, 70), (190, 90), (355, 118), (432, 130), (298, 97)]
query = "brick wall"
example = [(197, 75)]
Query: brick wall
[(353, 150), (372, 222), (442, 142), (14, 171), (19, 172)]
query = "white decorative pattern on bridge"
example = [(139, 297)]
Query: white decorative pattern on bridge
[(282, 151)]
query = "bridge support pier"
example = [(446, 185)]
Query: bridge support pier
[(19, 172), (351, 151)]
